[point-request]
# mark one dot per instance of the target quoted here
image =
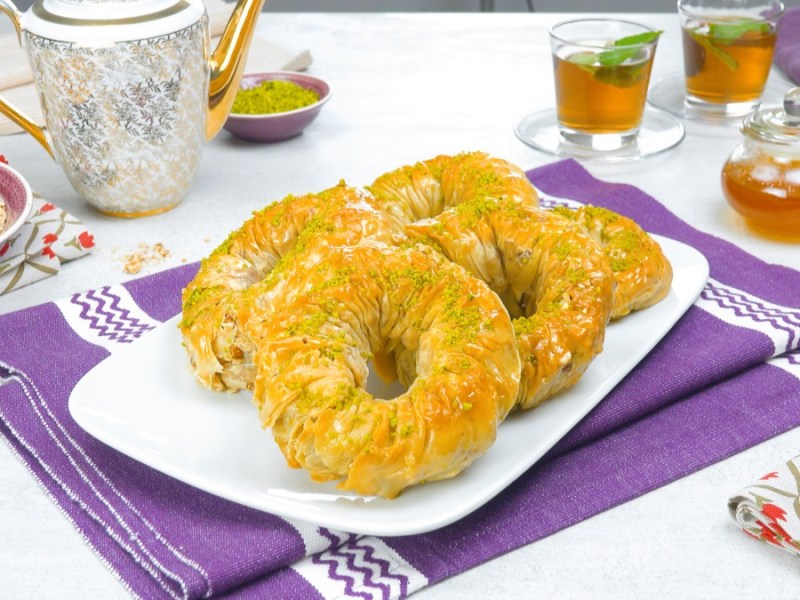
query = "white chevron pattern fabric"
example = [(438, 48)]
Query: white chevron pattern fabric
[(363, 567), (736, 307), (107, 317)]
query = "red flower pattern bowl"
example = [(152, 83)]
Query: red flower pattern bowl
[(276, 127), (18, 199)]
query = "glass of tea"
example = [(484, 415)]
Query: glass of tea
[(727, 53), (602, 70)]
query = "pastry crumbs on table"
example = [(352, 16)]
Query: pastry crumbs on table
[(144, 255)]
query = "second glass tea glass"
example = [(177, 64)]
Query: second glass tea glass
[(601, 70), (727, 53)]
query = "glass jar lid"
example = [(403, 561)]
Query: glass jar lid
[(778, 125)]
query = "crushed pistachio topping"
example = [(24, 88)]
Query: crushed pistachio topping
[(465, 321), (623, 250), (227, 244), (577, 275), (477, 208), (339, 277), (313, 227), (196, 297), (564, 212), (563, 249), (280, 211), (418, 278), (271, 97), (309, 324), (340, 398)]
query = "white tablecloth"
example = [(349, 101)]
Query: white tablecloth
[(408, 87)]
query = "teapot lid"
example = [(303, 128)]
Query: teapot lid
[(777, 125), (107, 21), (108, 3)]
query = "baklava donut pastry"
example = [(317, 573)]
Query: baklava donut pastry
[(427, 188), (555, 281), (422, 319), (220, 354), (642, 272)]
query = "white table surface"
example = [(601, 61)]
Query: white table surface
[(408, 87)]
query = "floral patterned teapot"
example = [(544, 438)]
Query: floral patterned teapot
[(130, 92)]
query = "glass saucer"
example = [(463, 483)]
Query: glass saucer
[(669, 93), (660, 131)]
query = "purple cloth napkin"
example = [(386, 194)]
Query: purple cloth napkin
[(787, 48), (725, 378)]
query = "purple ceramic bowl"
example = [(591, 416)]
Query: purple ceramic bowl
[(278, 126), (18, 200)]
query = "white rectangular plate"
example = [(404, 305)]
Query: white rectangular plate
[(144, 402)]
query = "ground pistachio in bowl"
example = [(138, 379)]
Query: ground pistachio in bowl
[(274, 106), (274, 96)]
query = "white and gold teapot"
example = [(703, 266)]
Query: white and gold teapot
[(130, 92)]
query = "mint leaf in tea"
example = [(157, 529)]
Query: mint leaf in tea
[(728, 61), (724, 32), (619, 66), (707, 45), (626, 48)]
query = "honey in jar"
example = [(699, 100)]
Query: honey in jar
[(761, 179)]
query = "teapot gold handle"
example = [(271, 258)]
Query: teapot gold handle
[(8, 109)]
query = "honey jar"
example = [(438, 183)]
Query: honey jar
[(761, 178)]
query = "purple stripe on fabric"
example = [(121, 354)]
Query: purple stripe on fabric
[(63, 473), (728, 263), (40, 342), (93, 533), (698, 350), (159, 294), (283, 584), (651, 452)]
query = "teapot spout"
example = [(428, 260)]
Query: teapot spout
[(227, 63)]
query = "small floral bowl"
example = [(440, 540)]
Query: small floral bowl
[(275, 127), (18, 200)]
